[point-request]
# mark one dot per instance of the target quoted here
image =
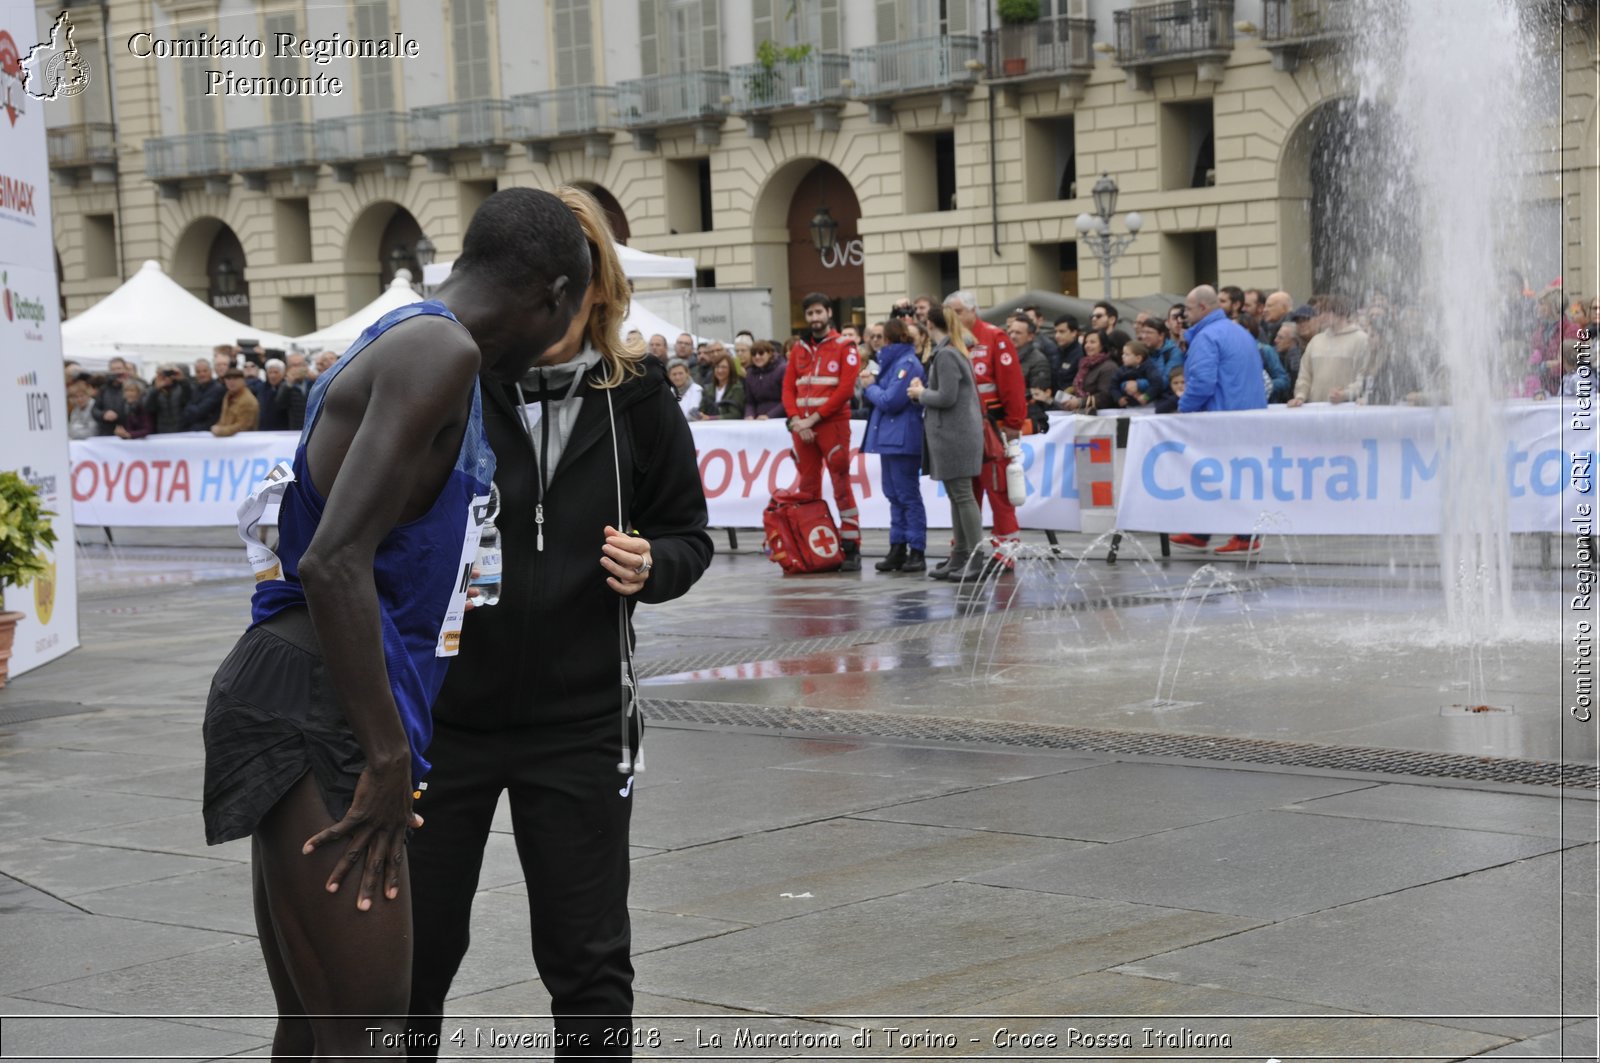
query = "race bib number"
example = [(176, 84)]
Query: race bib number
[(450, 631), (264, 496)]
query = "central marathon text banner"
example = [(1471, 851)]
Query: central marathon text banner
[(1344, 470), (1317, 470)]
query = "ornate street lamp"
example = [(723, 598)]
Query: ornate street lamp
[(824, 230), (227, 278), (425, 251), (399, 257), (1094, 230)]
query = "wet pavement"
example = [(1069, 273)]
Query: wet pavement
[(1247, 807)]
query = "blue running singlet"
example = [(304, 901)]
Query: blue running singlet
[(421, 569)]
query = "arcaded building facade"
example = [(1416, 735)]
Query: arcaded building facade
[(950, 148)]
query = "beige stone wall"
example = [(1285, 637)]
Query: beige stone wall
[(1258, 206)]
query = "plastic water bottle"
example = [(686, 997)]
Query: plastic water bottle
[(1016, 485), (490, 561)]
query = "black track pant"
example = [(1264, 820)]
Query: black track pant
[(569, 811)]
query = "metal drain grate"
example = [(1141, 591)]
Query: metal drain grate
[(1199, 747), (23, 711)]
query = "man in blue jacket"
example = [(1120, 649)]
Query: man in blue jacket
[(1221, 371)]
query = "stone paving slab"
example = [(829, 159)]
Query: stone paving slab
[(673, 816), (1488, 943), (1270, 865), (1114, 802), (966, 767), (44, 950), (1548, 817), (87, 1037), (184, 835), (218, 898), (939, 949), (69, 869), (60, 810), (765, 877)]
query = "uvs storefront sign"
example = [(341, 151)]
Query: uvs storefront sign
[(849, 253)]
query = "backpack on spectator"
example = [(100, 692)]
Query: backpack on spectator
[(801, 535)]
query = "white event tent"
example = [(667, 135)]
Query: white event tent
[(341, 334), (638, 265), (152, 318)]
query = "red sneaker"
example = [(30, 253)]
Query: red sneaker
[(1193, 542), (1239, 544)]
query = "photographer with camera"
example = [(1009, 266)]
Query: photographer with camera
[(166, 400)]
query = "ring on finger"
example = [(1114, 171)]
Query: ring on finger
[(644, 567)]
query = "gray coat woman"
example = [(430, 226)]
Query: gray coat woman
[(952, 445), (952, 434)]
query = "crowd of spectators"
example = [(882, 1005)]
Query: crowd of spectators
[(235, 390)]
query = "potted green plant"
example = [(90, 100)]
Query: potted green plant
[(1014, 59), (24, 530)]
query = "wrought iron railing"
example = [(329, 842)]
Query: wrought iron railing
[(85, 144), (817, 78), (188, 155), (1048, 46), (909, 66), (271, 147), (566, 112), (379, 135), (1177, 29), (668, 98), (467, 124), (1296, 20)]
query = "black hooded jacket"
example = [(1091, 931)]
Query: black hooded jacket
[(548, 651)]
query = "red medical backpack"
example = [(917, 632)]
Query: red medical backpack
[(801, 535)]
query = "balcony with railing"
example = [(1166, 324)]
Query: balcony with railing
[(482, 124), (947, 65), (576, 111), (362, 137), (272, 147), (1293, 28), (1197, 31), (168, 159), (82, 145), (672, 99), (818, 81), (1046, 48)]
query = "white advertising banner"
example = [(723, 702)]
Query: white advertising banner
[(182, 480), (25, 235), (33, 400), (194, 479), (1325, 470), (33, 410)]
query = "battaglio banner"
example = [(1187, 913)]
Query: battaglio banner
[(1338, 470)]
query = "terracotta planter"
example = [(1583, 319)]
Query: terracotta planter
[(1013, 67), (8, 634)]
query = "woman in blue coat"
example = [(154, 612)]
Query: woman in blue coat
[(894, 433)]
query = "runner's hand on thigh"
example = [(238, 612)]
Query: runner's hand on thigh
[(375, 828)]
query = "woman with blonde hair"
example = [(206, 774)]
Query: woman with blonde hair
[(600, 507)]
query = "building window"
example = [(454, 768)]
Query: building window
[(574, 42), (298, 315), (679, 36), (291, 220), (282, 108), (1053, 267), (374, 77), (199, 110), (935, 273), (903, 20), (689, 195), (1187, 260), (789, 23), (99, 245), (1188, 155), (1051, 160), (930, 154), (469, 39)]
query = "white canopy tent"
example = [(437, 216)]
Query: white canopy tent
[(152, 318), (638, 265), (341, 334)]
